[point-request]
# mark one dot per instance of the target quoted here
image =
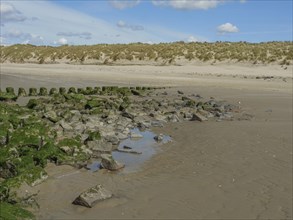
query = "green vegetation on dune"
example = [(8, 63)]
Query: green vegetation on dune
[(167, 53)]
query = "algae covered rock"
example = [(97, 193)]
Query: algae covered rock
[(33, 103), (52, 116), (33, 92), (91, 196), (12, 211), (21, 92), (43, 91), (71, 90), (7, 97), (53, 91), (62, 90), (10, 90)]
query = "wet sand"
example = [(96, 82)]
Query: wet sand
[(211, 170)]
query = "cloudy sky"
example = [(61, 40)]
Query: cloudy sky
[(149, 21)]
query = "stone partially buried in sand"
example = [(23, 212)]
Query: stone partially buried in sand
[(91, 196)]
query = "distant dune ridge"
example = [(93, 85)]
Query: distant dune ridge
[(178, 53)]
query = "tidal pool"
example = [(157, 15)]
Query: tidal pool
[(146, 146)]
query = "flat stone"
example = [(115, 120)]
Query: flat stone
[(93, 195), (100, 146), (135, 135), (121, 136), (198, 117), (65, 126)]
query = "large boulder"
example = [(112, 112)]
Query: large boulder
[(109, 163), (91, 196)]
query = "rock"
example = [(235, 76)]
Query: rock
[(109, 163), (91, 196), (121, 136), (100, 146), (52, 116), (128, 151), (188, 116), (113, 139), (157, 124), (159, 137), (21, 92), (173, 118), (143, 125), (127, 115), (198, 117), (135, 135), (65, 126), (79, 127), (87, 151), (127, 147), (67, 150), (180, 92)]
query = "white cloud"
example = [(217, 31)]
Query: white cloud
[(122, 4), (23, 38), (227, 28), (188, 4), (10, 14), (192, 39), (85, 35), (55, 22), (61, 41), (122, 24)]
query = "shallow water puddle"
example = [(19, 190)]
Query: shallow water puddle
[(146, 147)]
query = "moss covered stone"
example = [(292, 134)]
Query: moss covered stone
[(71, 90), (7, 97), (94, 103), (33, 92), (62, 90), (21, 92), (53, 91), (43, 91), (10, 90)]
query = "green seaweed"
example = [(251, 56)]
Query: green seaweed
[(14, 212)]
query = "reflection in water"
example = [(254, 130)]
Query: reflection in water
[(146, 145)]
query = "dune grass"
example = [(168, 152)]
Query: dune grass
[(255, 53)]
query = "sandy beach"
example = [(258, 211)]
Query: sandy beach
[(240, 169)]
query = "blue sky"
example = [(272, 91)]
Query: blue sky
[(153, 21)]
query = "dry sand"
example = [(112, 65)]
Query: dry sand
[(212, 170)]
